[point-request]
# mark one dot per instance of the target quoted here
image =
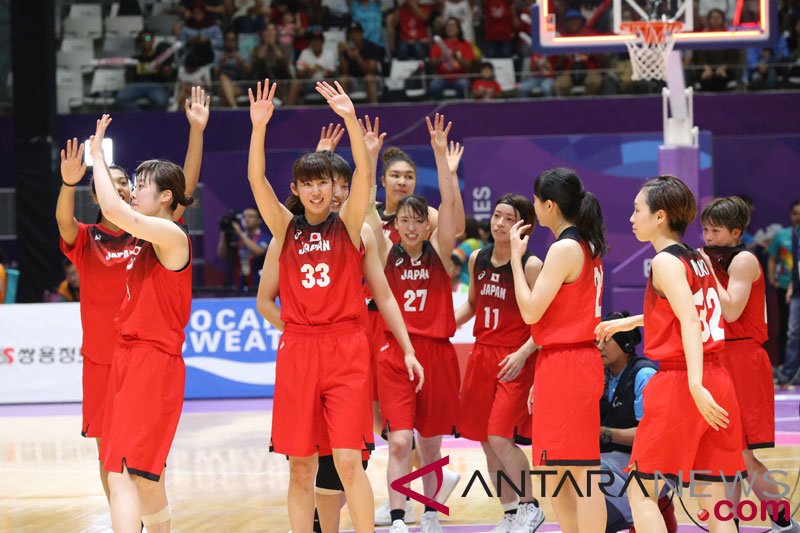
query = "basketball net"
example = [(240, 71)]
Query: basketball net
[(650, 47)]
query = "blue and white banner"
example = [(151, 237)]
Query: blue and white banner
[(229, 351)]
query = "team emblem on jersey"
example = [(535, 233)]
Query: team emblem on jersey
[(416, 262), (482, 274), (315, 237), (97, 236), (398, 262), (297, 234), (495, 278)]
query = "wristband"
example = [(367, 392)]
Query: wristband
[(68, 185)]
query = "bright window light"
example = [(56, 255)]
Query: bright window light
[(108, 152)]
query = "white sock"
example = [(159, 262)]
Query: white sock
[(511, 506)]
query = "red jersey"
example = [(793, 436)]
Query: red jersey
[(100, 257), (576, 310), (486, 85), (498, 321), (752, 324), (422, 289), (319, 273), (413, 28), (158, 302), (463, 53), (662, 330), (389, 229), (499, 20)]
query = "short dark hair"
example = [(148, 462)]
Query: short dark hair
[(110, 168), (339, 166), (312, 166), (168, 177), (671, 195), (794, 204), (731, 212), (416, 204), (521, 205)]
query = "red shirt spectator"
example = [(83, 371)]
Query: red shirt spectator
[(413, 26), (485, 89), (499, 20)]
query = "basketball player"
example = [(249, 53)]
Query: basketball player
[(146, 383), (99, 253), (684, 428), (417, 276), (564, 308), (741, 287), (328, 486), (500, 368), (322, 368)]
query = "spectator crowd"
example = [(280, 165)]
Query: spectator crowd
[(455, 47)]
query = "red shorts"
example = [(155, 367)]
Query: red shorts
[(495, 407), (322, 374), (567, 387), (674, 439), (377, 341), (433, 410), (95, 389), (145, 398), (751, 371)]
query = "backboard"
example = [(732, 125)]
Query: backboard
[(748, 23)]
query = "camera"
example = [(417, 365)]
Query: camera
[(226, 223)]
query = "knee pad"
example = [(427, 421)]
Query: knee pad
[(327, 477), (156, 518)]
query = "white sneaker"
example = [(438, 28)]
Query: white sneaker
[(383, 515), (528, 519), (398, 526), (505, 524), (430, 523), (449, 481), (794, 527)]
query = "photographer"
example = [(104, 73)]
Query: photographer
[(242, 244), (621, 408)]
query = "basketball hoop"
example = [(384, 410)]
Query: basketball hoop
[(650, 47)]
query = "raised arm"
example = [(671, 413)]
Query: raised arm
[(72, 171), (606, 329), (454, 153), (274, 213), (197, 115), (444, 236), (329, 138), (561, 261), (373, 139), (467, 309), (387, 305), (268, 287), (669, 278), (354, 209), (170, 242)]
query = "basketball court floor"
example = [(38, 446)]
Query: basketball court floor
[(222, 478)]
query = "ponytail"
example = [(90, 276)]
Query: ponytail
[(577, 205), (294, 205), (591, 225)]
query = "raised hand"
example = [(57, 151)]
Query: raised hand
[(261, 106), (438, 132), (454, 153), (72, 168), (372, 137), (197, 108), (329, 137), (337, 99), (519, 238), (96, 140)]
